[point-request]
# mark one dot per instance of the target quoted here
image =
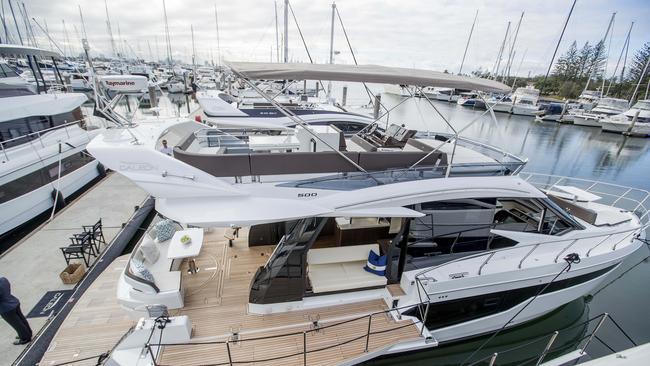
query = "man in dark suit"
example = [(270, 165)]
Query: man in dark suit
[(10, 312)]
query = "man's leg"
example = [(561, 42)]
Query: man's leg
[(12, 318), (24, 320)]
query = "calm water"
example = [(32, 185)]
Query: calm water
[(551, 148)]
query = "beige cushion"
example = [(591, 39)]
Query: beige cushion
[(342, 276), (341, 254), (341, 268)]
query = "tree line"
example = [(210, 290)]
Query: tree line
[(577, 65)]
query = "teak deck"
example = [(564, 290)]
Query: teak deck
[(216, 301)]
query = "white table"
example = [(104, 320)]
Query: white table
[(178, 250)]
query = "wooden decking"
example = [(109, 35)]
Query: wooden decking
[(94, 325), (216, 301)]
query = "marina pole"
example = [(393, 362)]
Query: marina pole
[(277, 32)]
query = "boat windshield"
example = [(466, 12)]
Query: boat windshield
[(642, 104), (7, 72), (620, 104)]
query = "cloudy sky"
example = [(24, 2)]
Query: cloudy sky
[(422, 34)]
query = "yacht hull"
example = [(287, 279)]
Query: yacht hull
[(523, 110), (26, 207), (640, 129), (586, 121)]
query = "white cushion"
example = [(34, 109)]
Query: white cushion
[(150, 251), (342, 276), (341, 254)]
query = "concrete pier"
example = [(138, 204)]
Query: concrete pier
[(33, 265)]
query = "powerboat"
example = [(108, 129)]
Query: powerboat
[(460, 254), (468, 99), (605, 107), (320, 246), (524, 101), (222, 110), (635, 121)]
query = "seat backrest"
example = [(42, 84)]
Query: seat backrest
[(373, 161), (222, 165), (351, 253), (302, 162)]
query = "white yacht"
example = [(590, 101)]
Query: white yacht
[(468, 99), (42, 146), (459, 254), (635, 121), (524, 101), (346, 249), (222, 110), (605, 107)]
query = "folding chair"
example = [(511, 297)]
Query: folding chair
[(74, 251), (96, 234), (85, 239)]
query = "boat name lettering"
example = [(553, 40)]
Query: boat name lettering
[(308, 194), (454, 276), (135, 166), (120, 83)]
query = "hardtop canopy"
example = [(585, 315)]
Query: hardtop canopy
[(12, 50), (363, 74)]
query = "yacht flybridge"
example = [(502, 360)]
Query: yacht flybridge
[(348, 248)]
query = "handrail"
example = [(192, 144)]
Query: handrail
[(38, 133), (477, 255)]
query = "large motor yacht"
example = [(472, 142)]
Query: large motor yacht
[(522, 102), (634, 121), (349, 248), (605, 107), (222, 110), (42, 141)]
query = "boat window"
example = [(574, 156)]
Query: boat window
[(7, 72), (23, 127), (40, 177)]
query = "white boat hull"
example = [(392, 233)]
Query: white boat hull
[(586, 121), (624, 127), (26, 207), (524, 110)]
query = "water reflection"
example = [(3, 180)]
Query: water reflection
[(551, 148)]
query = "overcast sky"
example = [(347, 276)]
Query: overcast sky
[(422, 34)]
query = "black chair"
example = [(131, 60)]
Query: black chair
[(77, 251), (96, 234), (85, 239)]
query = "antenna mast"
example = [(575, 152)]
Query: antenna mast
[(108, 27), (471, 31)]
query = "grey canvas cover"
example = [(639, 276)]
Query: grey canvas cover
[(363, 73)]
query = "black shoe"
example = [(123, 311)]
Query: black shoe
[(20, 342)]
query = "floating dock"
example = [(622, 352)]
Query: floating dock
[(33, 265)]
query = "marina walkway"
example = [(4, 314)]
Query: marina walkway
[(33, 265)]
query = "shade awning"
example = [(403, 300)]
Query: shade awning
[(363, 74), (12, 50)]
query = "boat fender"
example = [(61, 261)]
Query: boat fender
[(57, 197), (101, 169)]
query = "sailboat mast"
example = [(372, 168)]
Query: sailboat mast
[(193, 53), (594, 67), (329, 83), (83, 24), (286, 31), (167, 39), (216, 21), (110, 31), (550, 64), (511, 55), (497, 64), (620, 56), (20, 37), (277, 32), (471, 31)]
